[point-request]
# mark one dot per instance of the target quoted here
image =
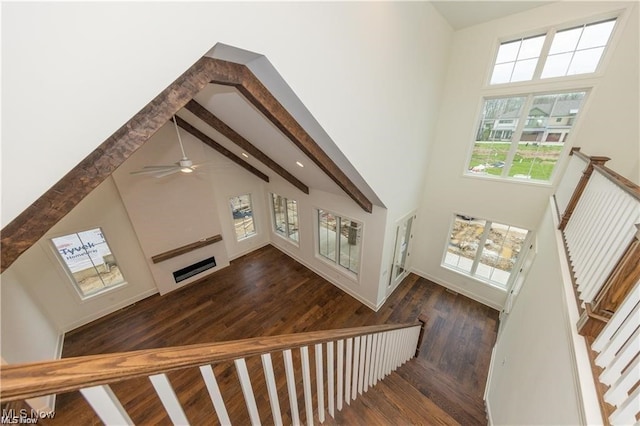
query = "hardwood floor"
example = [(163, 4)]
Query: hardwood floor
[(267, 293)]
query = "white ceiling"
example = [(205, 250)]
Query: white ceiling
[(462, 14)]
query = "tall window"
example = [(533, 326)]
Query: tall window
[(522, 137), (285, 217), (89, 261), (484, 249), (339, 240), (242, 213), (557, 53)]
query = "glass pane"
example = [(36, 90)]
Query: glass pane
[(327, 226), (565, 41), (292, 218), (556, 65), (242, 216), (500, 252), (508, 52), (464, 242), (502, 73), (547, 127), (524, 70), (531, 47), (88, 258), (495, 131), (585, 61), (349, 244), (596, 35), (279, 215)]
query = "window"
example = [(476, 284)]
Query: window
[(483, 249), (529, 143), (571, 51), (89, 261), (285, 217), (242, 213), (339, 240)]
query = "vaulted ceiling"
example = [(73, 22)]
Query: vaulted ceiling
[(233, 101)]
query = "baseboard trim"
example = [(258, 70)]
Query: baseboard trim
[(487, 405)]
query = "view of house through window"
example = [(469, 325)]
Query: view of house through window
[(242, 213), (339, 240), (484, 249), (285, 217), (89, 261), (523, 136)]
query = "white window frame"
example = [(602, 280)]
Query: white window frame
[(69, 274), (515, 135), (336, 263), (287, 231), (550, 32), (526, 244), (233, 219)]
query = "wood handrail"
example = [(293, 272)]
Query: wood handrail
[(621, 181), (22, 381)]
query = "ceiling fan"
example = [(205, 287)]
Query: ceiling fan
[(184, 165)]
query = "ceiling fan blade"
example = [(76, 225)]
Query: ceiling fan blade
[(166, 172), (150, 171), (168, 166)]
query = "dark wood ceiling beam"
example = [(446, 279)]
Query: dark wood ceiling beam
[(263, 99), (221, 149), (210, 119)]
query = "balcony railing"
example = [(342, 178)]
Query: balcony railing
[(599, 215)]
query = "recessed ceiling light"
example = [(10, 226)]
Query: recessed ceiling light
[(299, 164), (245, 155)]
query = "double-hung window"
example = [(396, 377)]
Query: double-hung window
[(339, 240), (523, 135), (483, 249), (89, 262), (285, 217)]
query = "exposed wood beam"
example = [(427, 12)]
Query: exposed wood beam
[(209, 118), (36, 220), (263, 99), (221, 149)]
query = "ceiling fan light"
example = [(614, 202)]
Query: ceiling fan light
[(186, 170)]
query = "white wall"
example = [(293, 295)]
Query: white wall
[(608, 126), (27, 335), (532, 377), (363, 70), (43, 276)]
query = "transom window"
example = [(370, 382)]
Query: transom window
[(339, 240), (242, 213), (570, 51), (285, 217), (484, 249), (523, 137), (89, 262)]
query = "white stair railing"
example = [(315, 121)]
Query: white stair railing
[(370, 354), (618, 348)]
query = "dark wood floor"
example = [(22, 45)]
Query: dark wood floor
[(267, 293)]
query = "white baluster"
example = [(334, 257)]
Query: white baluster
[(106, 405), (367, 368), (356, 359), (247, 390), (374, 349), (169, 399), (330, 381), (269, 376), (626, 413), (624, 310), (306, 384), (619, 391), (363, 350), (291, 387), (347, 373), (626, 354), (320, 382), (624, 331), (215, 395), (340, 375)]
